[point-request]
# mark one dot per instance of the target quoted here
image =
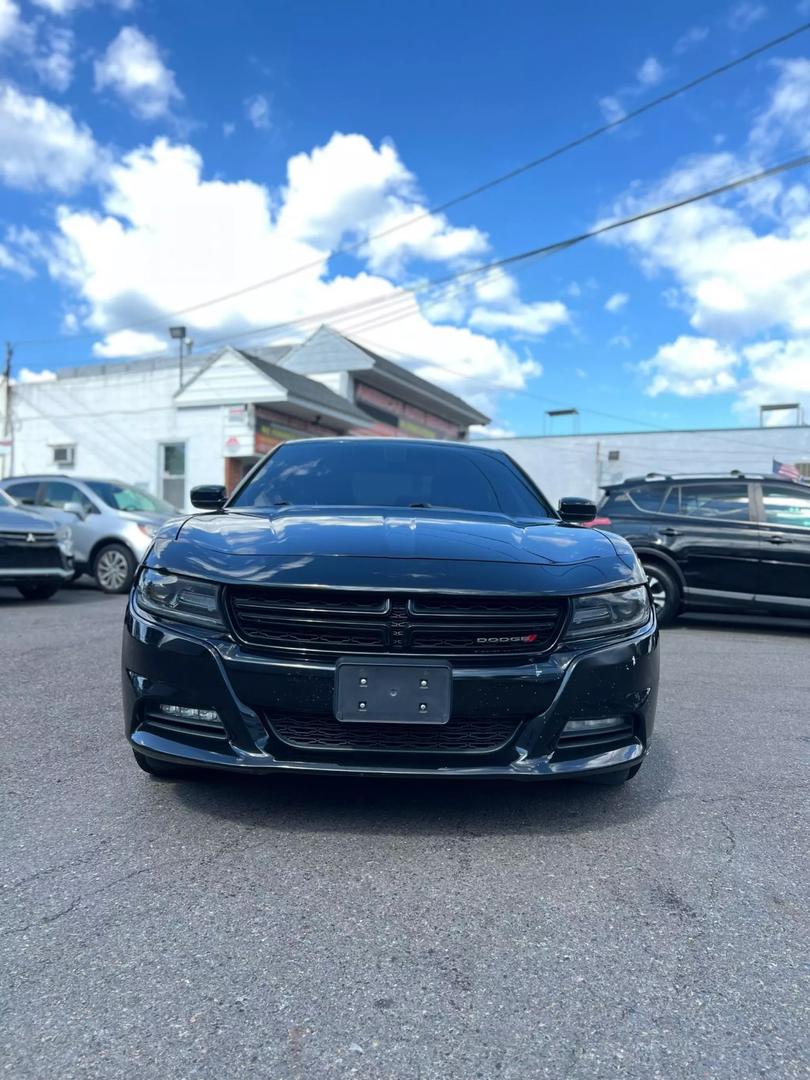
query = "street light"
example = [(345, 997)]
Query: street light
[(178, 333)]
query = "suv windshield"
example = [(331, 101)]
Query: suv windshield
[(129, 498), (359, 473)]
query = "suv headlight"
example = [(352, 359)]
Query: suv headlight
[(180, 598), (608, 613), (64, 538)]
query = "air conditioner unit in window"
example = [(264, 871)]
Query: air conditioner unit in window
[(64, 456)]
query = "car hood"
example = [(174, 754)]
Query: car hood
[(394, 549), (13, 519)]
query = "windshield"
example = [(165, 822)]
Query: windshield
[(129, 498), (360, 473)]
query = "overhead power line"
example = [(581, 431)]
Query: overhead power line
[(455, 200), (386, 308)]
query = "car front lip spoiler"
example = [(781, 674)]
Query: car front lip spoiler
[(524, 768)]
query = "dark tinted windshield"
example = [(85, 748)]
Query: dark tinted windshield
[(120, 497), (391, 474)]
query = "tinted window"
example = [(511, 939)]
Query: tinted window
[(784, 506), (672, 502), (720, 502), (25, 491), (362, 473), (127, 498), (647, 497), (58, 493)]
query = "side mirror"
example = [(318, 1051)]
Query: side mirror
[(208, 496), (574, 509), (75, 508)]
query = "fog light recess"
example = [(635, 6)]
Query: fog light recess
[(581, 727), (184, 712)]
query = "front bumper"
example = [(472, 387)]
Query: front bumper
[(165, 665)]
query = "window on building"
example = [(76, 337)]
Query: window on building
[(614, 455), (720, 502), (64, 456), (784, 506), (173, 473)]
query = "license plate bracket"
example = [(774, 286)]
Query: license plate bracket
[(375, 690)]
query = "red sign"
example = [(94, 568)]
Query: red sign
[(404, 418)]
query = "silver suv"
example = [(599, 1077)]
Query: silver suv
[(112, 523)]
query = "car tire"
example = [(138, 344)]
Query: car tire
[(37, 591), (665, 591), (165, 770), (114, 568)]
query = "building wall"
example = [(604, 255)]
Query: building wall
[(117, 423), (580, 464)]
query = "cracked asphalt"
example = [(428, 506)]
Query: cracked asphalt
[(306, 928)]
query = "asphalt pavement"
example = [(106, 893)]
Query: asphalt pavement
[(324, 928)]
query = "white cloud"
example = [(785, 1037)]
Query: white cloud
[(41, 145), (54, 62), (9, 20), (257, 110), (26, 375), (620, 341), (65, 8), (612, 108), (740, 265), (14, 263), (531, 320), (786, 113), (228, 128), (691, 367), (132, 67), (744, 15), (491, 431), (651, 72), (616, 302), (167, 238), (693, 36)]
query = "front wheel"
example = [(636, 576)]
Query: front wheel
[(665, 593), (114, 568), (37, 591)]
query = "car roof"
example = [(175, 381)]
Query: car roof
[(685, 478)]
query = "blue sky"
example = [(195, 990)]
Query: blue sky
[(157, 156)]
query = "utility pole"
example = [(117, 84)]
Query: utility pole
[(8, 430)]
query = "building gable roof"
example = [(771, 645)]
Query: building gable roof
[(234, 376), (328, 350)]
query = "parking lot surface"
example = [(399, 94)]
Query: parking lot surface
[(310, 927)]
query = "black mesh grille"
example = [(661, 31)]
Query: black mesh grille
[(17, 552), (459, 735), (334, 622)]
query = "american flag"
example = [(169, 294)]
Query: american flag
[(790, 472)]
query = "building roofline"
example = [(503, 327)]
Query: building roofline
[(651, 431)]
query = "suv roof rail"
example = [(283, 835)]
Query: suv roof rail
[(736, 474), (39, 476)]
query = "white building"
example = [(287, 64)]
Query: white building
[(133, 421), (582, 464)]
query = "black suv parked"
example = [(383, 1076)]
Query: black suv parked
[(734, 542)]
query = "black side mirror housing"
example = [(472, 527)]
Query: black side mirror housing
[(574, 509), (209, 496)]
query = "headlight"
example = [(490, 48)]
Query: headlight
[(64, 538), (179, 598), (607, 613), (147, 530)]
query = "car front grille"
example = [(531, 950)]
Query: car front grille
[(459, 735), (333, 622), (28, 551)]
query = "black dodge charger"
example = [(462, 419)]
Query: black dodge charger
[(390, 607)]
